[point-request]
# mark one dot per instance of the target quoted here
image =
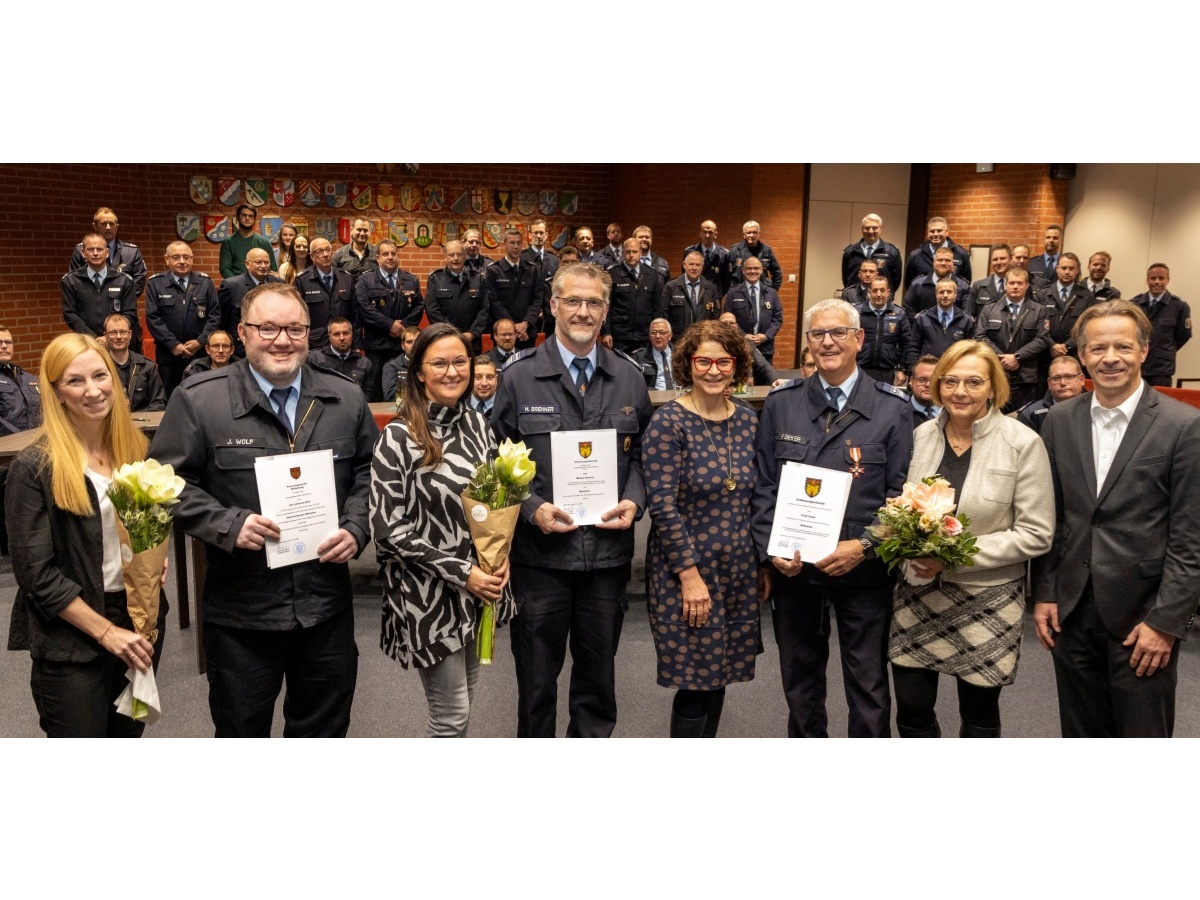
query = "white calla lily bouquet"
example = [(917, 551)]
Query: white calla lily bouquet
[(142, 494), (492, 504)]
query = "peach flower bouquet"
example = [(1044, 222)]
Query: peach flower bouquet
[(920, 524)]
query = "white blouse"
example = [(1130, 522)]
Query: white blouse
[(114, 579)]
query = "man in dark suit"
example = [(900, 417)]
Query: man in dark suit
[(936, 328), (514, 288), (636, 299), (716, 257), (1170, 324), (1065, 301), (691, 297), (1042, 268), (920, 261), (655, 360), (1120, 585), (537, 253), (1016, 329), (645, 239), (750, 246), (922, 293), (235, 287), (328, 293), (457, 295), (504, 341), (584, 247), (990, 289), (122, 256), (756, 306), (1097, 280), (872, 247), (860, 292), (613, 251)]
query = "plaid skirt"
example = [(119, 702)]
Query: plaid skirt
[(972, 635)]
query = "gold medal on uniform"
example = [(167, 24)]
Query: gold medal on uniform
[(856, 454)]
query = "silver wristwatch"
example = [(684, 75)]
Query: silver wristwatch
[(868, 547)]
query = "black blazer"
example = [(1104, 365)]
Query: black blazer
[(56, 556), (1138, 539), (678, 307)]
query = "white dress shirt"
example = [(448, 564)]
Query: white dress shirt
[(1108, 430)]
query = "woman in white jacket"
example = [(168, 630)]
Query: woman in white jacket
[(968, 623)]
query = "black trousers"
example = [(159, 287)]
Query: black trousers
[(247, 668), (916, 697), (76, 699), (1099, 694), (800, 615), (553, 607)]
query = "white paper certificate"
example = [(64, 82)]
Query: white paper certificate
[(297, 492), (585, 473), (810, 504)]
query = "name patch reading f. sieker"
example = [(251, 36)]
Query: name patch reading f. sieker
[(794, 438), (540, 409)]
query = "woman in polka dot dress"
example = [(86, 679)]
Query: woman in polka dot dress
[(701, 569)]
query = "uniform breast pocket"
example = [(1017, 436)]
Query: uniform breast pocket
[(342, 447), (868, 455), (232, 459), (443, 293), (795, 451), (166, 302), (999, 484), (539, 423)]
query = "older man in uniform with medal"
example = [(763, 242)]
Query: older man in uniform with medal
[(841, 420)]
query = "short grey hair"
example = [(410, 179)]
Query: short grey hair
[(847, 310), (872, 217)]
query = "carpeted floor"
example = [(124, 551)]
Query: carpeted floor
[(389, 701)]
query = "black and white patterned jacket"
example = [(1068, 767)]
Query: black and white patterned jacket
[(422, 540)]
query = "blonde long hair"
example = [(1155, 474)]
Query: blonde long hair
[(62, 448)]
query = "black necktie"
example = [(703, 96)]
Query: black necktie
[(279, 398), (665, 364), (1013, 309), (328, 280), (96, 278), (834, 394), (182, 282), (580, 364)]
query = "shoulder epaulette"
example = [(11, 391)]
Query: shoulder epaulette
[(892, 390), (791, 382), (628, 358), (202, 275), (520, 354), (320, 367)]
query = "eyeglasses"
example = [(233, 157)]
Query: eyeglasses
[(125, 333), (4, 343), (657, 333), (922, 380), (269, 331), (817, 335), (441, 366), (1063, 379), (176, 257), (573, 303), (972, 385), (724, 364)]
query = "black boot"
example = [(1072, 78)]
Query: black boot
[(933, 730), (978, 731), (714, 714), (687, 728)]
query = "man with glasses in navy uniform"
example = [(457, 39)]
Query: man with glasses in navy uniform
[(569, 579), (838, 419), (293, 624)]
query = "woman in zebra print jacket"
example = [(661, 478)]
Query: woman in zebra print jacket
[(433, 590)]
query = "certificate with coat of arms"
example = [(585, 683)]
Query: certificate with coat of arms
[(297, 492), (585, 473), (810, 504)]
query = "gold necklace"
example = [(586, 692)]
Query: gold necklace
[(730, 482)]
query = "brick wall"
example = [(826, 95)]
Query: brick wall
[(673, 199), (1012, 205), (48, 208)]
